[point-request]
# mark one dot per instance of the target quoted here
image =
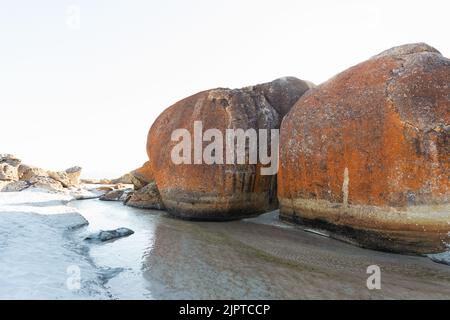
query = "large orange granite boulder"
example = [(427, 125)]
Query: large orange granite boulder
[(219, 191), (366, 155)]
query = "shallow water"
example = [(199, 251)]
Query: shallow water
[(259, 258)]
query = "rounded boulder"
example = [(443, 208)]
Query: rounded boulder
[(365, 156), (215, 190)]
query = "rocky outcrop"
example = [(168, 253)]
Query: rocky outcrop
[(8, 172), (147, 197), (15, 177), (28, 172), (10, 159), (139, 177), (144, 174), (130, 178), (220, 191), (145, 194), (116, 195), (366, 154), (95, 181), (9, 167), (38, 182), (46, 183), (73, 175), (15, 186), (68, 178), (106, 189), (61, 177)]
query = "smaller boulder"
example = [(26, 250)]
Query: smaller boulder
[(103, 236), (15, 186), (144, 173), (46, 183), (130, 178), (116, 195), (104, 189), (147, 197), (95, 181), (62, 177), (10, 159), (73, 175), (89, 181), (26, 172), (139, 177), (8, 172), (121, 186)]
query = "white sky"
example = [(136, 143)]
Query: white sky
[(89, 96)]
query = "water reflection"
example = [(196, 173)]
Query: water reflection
[(128, 253), (174, 259)]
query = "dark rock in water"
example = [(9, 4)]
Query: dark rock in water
[(103, 236)]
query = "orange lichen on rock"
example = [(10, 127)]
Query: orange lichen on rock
[(219, 191), (366, 154), (145, 173)]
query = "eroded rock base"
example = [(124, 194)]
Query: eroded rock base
[(411, 230), (204, 207)]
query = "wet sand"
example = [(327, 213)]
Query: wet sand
[(259, 258)]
